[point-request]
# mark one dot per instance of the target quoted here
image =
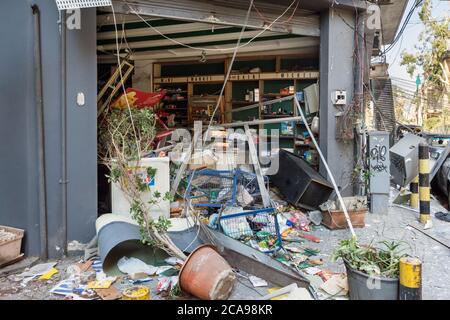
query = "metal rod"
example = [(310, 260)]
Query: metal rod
[(63, 180), (265, 103), (330, 174), (43, 224), (256, 122)]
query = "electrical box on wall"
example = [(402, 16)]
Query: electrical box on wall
[(339, 97)]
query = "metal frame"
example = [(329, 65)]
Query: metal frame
[(254, 213), (213, 173)]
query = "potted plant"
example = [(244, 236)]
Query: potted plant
[(125, 137), (372, 270)]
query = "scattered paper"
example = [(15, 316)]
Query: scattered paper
[(109, 294), (336, 285), (258, 282), (134, 265), (49, 274), (64, 287), (166, 283), (428, 225), (38, 270), (312, 270), (105, 284), (173, 261)]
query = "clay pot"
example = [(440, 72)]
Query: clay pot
[(206, 275)]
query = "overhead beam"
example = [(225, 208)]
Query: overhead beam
[(302, 23), (263, 46)]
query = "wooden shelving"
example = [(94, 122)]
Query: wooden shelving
[(201, 108)]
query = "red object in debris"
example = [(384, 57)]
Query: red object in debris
[(309, 237), (139, 99)]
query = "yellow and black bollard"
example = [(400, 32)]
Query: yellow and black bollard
[(424, 183), (410, 279), (414, 189)]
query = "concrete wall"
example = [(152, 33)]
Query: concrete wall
[(18, 124), (336, 73), (142, 75)]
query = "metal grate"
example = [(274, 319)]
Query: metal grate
[(212, 188), (249, 182), (256, 228), (78, 4)]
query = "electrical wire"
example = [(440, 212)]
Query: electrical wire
[(402, 29), (122, 82), (230, 67), (282, 22), (211, 49)]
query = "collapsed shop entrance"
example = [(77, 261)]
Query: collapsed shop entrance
[(188, 61)]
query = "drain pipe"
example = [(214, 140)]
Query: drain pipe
[(359, 65), (63, 181), (43, 224)]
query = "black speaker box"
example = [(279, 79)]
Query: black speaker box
[(299, 183)]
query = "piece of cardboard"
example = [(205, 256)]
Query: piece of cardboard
[(110, 293)]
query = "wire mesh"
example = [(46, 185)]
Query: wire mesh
[(249, 181), (212, 188), (256, 228)]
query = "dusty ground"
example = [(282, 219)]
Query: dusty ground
[(391, 226), (394, 226)]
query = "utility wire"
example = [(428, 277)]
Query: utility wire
[(402, 29), (211, 49)]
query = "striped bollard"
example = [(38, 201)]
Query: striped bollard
[(424, 183), (414, 189), (410, 279)]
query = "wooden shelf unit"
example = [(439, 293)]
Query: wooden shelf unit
[(273, 69)]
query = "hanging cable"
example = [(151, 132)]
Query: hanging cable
[(123, 84), (211, 49)]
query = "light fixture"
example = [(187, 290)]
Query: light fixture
[(78, 4)]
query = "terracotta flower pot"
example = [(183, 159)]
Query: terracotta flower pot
[(206, 275)]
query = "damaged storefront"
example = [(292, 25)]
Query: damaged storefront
[(204, 150)]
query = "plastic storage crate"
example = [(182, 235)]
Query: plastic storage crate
[(212, 188), (257, 228)]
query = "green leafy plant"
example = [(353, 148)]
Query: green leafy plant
[(125, 136), (382, 260), (430, 50)]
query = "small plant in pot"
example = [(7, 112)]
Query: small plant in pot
[(372, 270)]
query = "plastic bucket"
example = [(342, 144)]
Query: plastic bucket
[(206, 275), (363, 287), (136, 293)]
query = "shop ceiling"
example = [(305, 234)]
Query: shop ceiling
[(204, 24), (216, 24)]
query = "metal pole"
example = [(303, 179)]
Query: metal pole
[(414, 198), (327, 168), (63, 180), (410, 279), (424, 183), (43, 224), (359, 186), (257, 122)]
